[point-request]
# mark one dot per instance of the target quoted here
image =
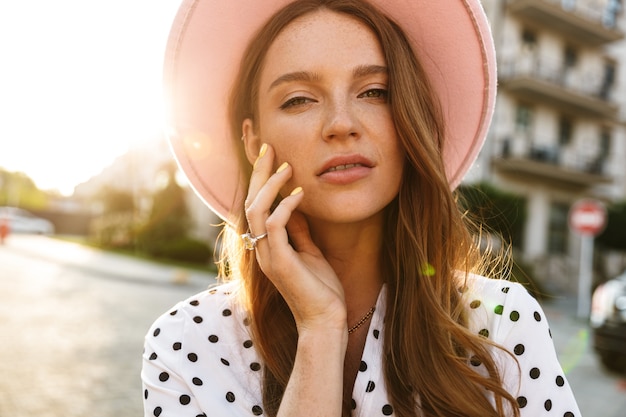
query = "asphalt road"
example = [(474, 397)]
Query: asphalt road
[(72, 322)]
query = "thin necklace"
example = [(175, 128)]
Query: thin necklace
[(364, 319)]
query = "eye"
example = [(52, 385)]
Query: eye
[(295, 101), (375, 93)]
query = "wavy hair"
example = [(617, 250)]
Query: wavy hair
[(427, 345)]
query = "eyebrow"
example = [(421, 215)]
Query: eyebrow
[(358, 72)]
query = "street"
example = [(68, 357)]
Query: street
[(72, 322)]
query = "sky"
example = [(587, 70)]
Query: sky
[(80, 83)]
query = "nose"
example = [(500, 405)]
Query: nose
[(341, 121)]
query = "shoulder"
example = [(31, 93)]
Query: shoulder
[(493, 306), (211, 315)]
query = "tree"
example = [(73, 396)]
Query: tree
[(501, 212), (614, 236), (18, 189), (169, 218)]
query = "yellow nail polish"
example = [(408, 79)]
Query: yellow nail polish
[(296, 190), (261, 153), (282, 167), (262, 150)]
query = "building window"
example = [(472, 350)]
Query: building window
[(570, 57), (605, 143), (529, 38), (558, 229), (565, 131), (523, 118), (608, 79)]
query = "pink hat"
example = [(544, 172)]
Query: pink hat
[(205, 47)]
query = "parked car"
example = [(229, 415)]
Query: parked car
[(22, 221), (608, 321)]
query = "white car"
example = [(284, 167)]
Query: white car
[(22, 221), (608, 321)]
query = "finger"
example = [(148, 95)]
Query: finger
[(258, 211), (276, 224), (261, 171), (299, 233)]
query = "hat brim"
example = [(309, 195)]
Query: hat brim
[(452, 39)]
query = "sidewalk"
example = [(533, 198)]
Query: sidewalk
[(107, 264)]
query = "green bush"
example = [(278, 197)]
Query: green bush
[(182, 249)]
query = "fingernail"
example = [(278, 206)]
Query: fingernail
[(296, 190), (261, 153), (282, 167), (262, 150)]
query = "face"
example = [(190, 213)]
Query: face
[(323, 108)]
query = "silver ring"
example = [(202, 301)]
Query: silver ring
[(249, 241)]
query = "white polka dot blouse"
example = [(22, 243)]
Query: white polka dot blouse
[(199, 359)]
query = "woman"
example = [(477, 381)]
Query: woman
[(349, 265)]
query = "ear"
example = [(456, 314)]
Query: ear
[(251, 141)]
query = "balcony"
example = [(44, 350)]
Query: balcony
[(540, 81), (550, 164), (579, 20)]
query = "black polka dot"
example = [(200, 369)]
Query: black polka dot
[(370, 386), (145, 394), (164, 376), (534, 373), (156, 332), (353, 404), (499, 309), (463, 289), (247, 344), (548, 405), (226, 312), (484, 333), (560, 381), (173, 313), (201, 415), (213, 338), (184, 399), (177, 346), (257, 411), (192, 357), (568, 414), (153, 356), (505, 290), (197, 381), (475, 304), (157, 411), (194, 303), (519, 349), (387, 410), (230, 397), (376, 334), (246, 321), (514, 316), (363, 366), (475, 361), (197, 319), (537, 316), (522, 402), (225, 362), (255, 366)]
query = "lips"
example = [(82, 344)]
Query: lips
[(343, 163), (343, 167)]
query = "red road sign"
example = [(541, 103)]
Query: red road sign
[(587, 217)]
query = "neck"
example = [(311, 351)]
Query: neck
[(354, 252)]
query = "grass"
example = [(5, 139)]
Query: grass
[(83, 240)]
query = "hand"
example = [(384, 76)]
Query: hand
[(300, 272)]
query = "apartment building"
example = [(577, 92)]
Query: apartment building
[(559, 128)]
